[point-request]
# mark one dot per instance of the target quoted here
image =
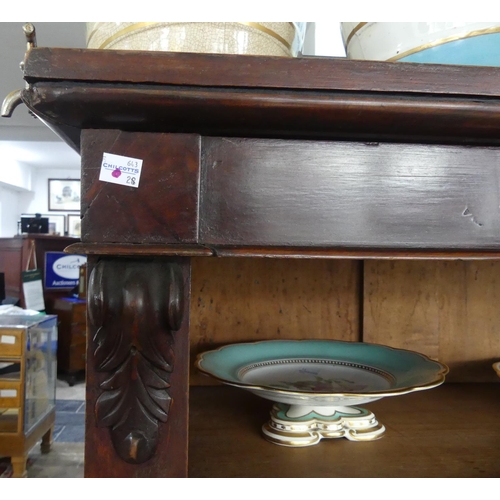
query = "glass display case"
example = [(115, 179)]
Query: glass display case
[(28, 368)]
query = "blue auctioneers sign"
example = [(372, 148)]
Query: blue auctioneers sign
[(62, 270)]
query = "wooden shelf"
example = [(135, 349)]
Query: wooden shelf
[(450, 431)]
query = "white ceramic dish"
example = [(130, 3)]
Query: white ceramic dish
[(315, 383)]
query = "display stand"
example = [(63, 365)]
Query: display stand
[(27, 386)]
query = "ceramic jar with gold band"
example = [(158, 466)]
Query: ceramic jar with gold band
[(270, 39), (430, 42)]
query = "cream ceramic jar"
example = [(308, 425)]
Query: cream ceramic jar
[(270, 39), (425, 42)]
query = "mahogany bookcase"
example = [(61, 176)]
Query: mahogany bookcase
[(248, 156)]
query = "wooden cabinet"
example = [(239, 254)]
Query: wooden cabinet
[(291, 159), (72, 334), (27, 386), (14, 254)]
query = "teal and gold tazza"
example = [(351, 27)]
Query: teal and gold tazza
[(316, 383), (322, 371)]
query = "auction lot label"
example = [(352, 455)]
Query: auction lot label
[(120, 170)]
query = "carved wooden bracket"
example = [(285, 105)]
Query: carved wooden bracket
[(134, 307)]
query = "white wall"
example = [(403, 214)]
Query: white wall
[(15, 174), (14, 200), (328, 40), (16, 179), (323, 39), (37, 201), (9, 199)]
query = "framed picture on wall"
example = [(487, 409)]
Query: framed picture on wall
[(74, 225), (64, 195), (57, 223)]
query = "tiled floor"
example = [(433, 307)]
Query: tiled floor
[(70, 421), (65, 458)]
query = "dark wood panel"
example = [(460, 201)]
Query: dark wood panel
[(76, 358), (257, 71), (71, 336), (162, 209), (224, 111), (346, 194), (135, 250), (137, 365), (280, 252), (11, 265), (266, 97)]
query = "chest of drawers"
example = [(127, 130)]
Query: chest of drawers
[(72, 342)]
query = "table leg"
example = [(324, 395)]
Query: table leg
[(137, 367), (19, 466), (47, 440)]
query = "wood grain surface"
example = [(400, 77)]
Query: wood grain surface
[(316, 73), (446, 310), (245, 300), (74, 89), (135, 323), (129, 249), (449, 431), (346, 253), (222, 111), (349, 194), (163, 208)]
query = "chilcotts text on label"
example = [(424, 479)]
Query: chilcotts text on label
[(121, 170)]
